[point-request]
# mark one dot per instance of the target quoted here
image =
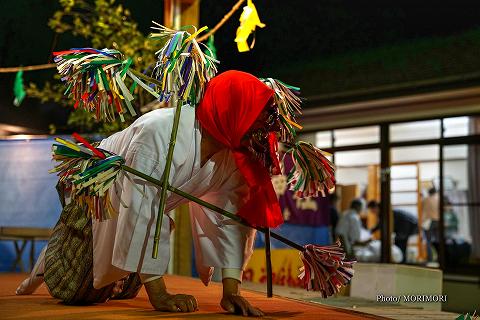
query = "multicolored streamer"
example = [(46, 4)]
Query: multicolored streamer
[(287, 99), (325, 268), (96, 80), (182, 69), (312, 173), (88, 173)]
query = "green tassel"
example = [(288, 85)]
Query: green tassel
[(18, 89), (211, 46)]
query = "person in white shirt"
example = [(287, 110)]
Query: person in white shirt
[(349, 226)]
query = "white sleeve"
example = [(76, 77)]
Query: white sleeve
[(219, 241), (355, 228)]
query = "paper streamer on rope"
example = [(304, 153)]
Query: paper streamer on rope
[(325, 268), (182, 68), (96, 81), (18, 89), (312, 173), (249, 21), (211, 46), (89, 173)]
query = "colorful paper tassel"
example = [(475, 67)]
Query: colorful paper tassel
[(182, 69), (96, 80), (325, 268), (287, 99), (88, 173), (312, 173)]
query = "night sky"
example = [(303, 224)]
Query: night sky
[(296, 33), (299, 31)]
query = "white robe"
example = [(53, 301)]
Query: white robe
[(124, 244)]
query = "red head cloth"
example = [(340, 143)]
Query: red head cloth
[(232, 102)]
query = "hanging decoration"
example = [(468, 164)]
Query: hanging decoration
[(211, 46), (19, 89), (249, 21)]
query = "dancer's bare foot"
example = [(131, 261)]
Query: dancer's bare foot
[(29, 285), (161, 300)]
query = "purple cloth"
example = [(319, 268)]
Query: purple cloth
[(310, 211), (307, 211)]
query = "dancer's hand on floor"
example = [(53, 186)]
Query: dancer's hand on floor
[(176, 303), (233, 302), (161, 300)]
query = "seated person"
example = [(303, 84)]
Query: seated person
[(349, 226)]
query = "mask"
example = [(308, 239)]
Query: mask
[(262, 141)]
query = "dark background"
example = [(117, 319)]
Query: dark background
[(327, 47)]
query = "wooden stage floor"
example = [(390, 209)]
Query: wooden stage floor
[(42, 306)]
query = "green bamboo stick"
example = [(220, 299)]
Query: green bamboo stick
[(166, 176), (211, 207)]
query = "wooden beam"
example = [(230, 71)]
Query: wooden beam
[(168, 13), (190, 12)]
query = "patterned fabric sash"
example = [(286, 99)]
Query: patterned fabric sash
[(69, 263)]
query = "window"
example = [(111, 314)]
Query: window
[(415, 153), (415, 173), (418, 130), (455, 127), (356, 136), (461, 210), (357, 158), (323, 139)]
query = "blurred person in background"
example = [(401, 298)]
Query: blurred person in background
[(404, 225), (349, 226), (334, 216), (430, 220)]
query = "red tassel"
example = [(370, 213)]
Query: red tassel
[(88, 145), (273, 148), (325, 268)]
